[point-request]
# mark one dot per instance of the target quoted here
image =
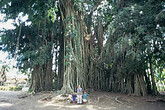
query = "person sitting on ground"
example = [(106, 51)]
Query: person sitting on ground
[(74, 97), (85, 97)]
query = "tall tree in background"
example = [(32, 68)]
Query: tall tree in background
[(3, 70), (31, 44)]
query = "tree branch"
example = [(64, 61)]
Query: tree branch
[(17, 46)]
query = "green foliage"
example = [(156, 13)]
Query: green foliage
[(34, 42), (52, 14), (11, 88), (15, 88), (3, 88), (134, 35), (30, 90)]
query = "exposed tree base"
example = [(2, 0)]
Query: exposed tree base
[(65, 90)]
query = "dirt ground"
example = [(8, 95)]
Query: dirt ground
[(96, 101)]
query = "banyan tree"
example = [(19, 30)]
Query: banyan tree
[(99, 44)]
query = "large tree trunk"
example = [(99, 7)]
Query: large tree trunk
[(61, 63), (41, 78), (48, 81), (42, 75), (139, 85), (66, 14), (148, 83), (2, 76), (155, 92), (99, 36), (35, 83), (75, 48)]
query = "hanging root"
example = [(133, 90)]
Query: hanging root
[(116, 99), (17, 45)]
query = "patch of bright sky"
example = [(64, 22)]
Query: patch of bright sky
[(3, 56), (6, 25), (13, 72), (9, 25), (22, 19)]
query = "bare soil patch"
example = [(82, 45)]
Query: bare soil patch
[(96, 101)]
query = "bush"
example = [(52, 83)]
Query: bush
[(30, 90), (18, 88), (3, 88), (11, 88)]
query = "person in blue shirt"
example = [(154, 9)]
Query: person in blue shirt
[(85, 97), (74, 97)]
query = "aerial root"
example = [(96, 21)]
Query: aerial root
[(117, 100)]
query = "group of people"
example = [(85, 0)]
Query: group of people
[(81, 96)]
